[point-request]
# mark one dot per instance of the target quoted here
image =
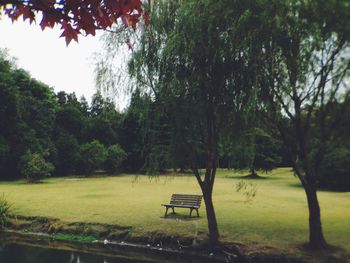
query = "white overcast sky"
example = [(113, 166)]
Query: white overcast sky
[(45, 55)]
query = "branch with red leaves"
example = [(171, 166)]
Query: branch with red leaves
[(76, 16)]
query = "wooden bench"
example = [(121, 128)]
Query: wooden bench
[(193, 202)]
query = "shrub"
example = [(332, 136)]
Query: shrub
[(34, 167), (92, 157), (4, 211), (115, 156)]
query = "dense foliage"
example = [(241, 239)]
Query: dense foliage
[(43, 133), (335, 167)]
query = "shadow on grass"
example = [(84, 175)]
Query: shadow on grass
[(249, 177), (26, 182), (319, 189), (180, 217), (296, 185)]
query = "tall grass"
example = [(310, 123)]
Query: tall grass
[(5, 208)]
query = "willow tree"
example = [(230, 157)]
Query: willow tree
[(304, 70), (192, 59)]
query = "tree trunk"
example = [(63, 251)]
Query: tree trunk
[(211, 218), (316, 238), (252, 171)]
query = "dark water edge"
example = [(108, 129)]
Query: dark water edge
[(17, 248), (19, 253)]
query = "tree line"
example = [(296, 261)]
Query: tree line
[(46, 133), (43, 133)]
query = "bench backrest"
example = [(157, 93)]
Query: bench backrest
[(188, 200)]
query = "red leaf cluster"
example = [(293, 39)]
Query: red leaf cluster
[(76, 16)]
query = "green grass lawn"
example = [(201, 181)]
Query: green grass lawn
[(277, 216)]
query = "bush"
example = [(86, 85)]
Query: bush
[(4, 211), (115, 156), (34, 167), (92, 157)]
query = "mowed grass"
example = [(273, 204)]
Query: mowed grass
[(276, 217)]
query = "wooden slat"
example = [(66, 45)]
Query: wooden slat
[(187, 195), (186, 200)]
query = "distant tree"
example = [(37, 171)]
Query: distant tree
[(104, 121), (254, 149), (335, 167), (27, 114), (132, 136), (67, 154), (69, 119), (9, 115), (114, 158), (84, 105), (92, 157), (265, 152), (97, 103)]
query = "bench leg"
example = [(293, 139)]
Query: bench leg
[(191, 209), (166, 211), (197, 212), (173, 210)]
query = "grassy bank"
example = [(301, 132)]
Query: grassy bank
[(276, 216)]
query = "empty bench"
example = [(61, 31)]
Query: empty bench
[(193, 202)]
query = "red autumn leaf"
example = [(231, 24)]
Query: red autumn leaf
[(69, 33), (76, 16), (48, 20)]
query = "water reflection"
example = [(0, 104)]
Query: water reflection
[(34, 252), (14, 253)]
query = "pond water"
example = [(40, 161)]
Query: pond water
[(12, 252), (15, 253)]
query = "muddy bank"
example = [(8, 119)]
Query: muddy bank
[(109, 240)]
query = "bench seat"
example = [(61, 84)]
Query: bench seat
[(193, 202)]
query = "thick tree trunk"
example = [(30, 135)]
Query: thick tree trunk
[(316, 238), (211, 218), (207, 190)]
